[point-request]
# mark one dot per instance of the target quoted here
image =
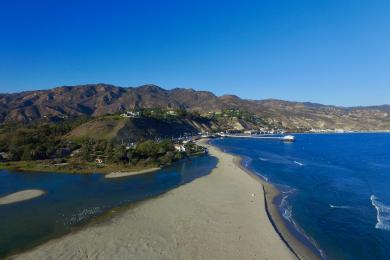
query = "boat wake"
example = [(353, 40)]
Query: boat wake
[(298, 163), (382, 213), (339, 207)]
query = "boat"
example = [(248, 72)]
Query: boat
[(288, 138)]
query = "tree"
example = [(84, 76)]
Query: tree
[(27, 154), (165, 146), (87, 149), (120, 154), (146, 149), (109, 152)]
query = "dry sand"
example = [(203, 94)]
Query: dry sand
[(125, 174), (219, 216), (20, 196)]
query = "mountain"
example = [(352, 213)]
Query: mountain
[(99, 99)]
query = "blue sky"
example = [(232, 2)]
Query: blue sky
[(333, 52)]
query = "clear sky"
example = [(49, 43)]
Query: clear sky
[(327, 51)]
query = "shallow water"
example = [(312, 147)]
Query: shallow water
[(73, 199), (336, 187)]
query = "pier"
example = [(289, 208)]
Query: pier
[(286, 138)]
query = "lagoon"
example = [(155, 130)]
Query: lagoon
[(72, 200)]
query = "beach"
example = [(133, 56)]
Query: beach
[(220, 216), (270, 194)]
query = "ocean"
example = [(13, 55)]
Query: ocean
[(335, 188), (74, 199)]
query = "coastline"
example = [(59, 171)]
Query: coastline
[(221, 215), (271, 193)]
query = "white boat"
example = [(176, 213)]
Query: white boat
[(288, 138)]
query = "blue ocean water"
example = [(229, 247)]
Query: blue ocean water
[(336, 188), (73, 199)]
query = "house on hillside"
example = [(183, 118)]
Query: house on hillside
[(130, 114), (4, 156), (98, 161), (171, 113), (180, 148)]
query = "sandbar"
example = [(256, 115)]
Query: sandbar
[(125, 174), (21, 196)]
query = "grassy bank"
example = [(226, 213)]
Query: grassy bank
[(85, 168)]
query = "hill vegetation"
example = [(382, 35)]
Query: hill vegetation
[(97, 100), (102, 127), (99, 144)]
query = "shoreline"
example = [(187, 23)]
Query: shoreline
[(220, 215), (271, 194)]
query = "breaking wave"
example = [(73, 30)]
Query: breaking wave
[(382, 213), (261, 176), (286, 209)]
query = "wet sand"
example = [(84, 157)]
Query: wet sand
[(271, 193)]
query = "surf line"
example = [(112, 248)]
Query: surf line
[(276, 228)]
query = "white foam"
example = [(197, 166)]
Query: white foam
[(82, 214), (262, 176), (382, 213), (263, 159), (298, 163), (287, 214), (286, 209)]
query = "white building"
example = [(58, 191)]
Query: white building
[(130, 114), (171, 112), (180, 148)]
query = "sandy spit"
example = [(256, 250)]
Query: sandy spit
[(125, 174), (20, 196), (219, 216)]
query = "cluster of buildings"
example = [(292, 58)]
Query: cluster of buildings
[(136, 114), (240, 132), (329, 131), (181, 147), (131, 114)]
